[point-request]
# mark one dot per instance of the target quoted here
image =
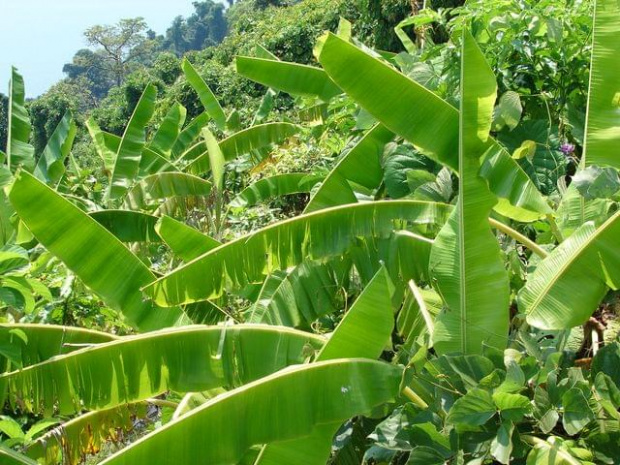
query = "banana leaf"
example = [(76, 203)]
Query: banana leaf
[(127, 225), (102, 147), (285, 405), (317, 235), (209, 102), (431, 124), (568, 285), (51, 165), (189, 134), (165, 185), (35, 343), (94, 254), (169, 130), (186, 242), (135, 368), (127, 163), (297, 298), (18, 149), (291, 78), (574, 211), (360, 165), (466, 260), (217, 161), (602, 132)]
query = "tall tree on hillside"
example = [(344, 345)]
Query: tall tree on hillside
[(92, 66), (207, 26), (175, 36), (207, 23), (120, 44)]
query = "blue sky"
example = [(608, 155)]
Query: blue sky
[(40, 36)]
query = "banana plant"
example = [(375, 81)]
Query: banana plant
[(587, 258), (127, 159), (241, 261), (364, 332), (136, 368), (413, 112), (18, 149), (466, 265), (279, 185), (109, 269)]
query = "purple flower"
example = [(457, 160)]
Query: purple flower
[(567, 148)]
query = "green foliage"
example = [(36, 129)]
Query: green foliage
[(204, 28), (438, 225), (495, 409)]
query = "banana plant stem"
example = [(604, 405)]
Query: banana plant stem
[(517, 236), (413, 397)]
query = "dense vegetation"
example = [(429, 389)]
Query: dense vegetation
[(379, 234)]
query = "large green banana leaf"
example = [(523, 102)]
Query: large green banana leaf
[(128, 225), (98, 258), (157, 187), (297, 298), (465, 260), (431, 124), (243, 142), (18, 149), (291, 78), (209, 102), (189, 134), (103, 149), (169, 130), (602, 132), (186, 242), (135, 368), (127, 163), (285, 405), (568, 285), (364, 332), (316, 235), (51, 165), (360, 165), (275, 186), (31, 344)]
